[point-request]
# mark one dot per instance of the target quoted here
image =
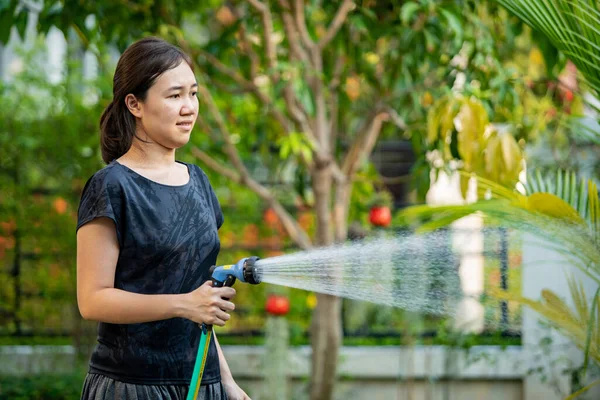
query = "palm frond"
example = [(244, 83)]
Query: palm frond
[(581, 323), (576, 323), (583, 390), (572, 27), (583, 130), (579, 193), (561, 210), (592, 323)]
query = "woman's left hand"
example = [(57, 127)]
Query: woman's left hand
[(234, 392)]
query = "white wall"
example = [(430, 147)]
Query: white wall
[(544, 268), (364, 373)]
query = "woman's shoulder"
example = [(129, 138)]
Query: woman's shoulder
[(197, 171), (192, 167), (109, 176)]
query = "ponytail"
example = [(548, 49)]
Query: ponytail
[(117, 130)]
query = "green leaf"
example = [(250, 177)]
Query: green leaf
[(549, 51), (569, 25), (285, 150), (454, 23), (303, 94), (591, 325), (408, 10), (4, 5), (5, 25), (21, 24), (7, 15), (583, 390), (553, 206), (368, 13)]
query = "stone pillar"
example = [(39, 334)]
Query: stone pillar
[(275, 361), (467, 240)]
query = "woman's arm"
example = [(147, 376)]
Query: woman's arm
[(99, 300), (234, 392)]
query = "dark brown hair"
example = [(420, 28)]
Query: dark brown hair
[(137, 70)]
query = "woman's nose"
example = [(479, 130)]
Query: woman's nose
[(188, 106)]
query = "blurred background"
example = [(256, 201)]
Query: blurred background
[(345, 114)]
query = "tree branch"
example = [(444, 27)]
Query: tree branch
[(229, 147), (246, 47), (301, 24), (292, 227), (396, 119), (338, 175), (340, 62), (297, 112), (338, 21), (242, 176), (296, 50), (266, 101), (334, 96), (363, 144), (297, 53), (267, 20), (215, 165), (248, 85)]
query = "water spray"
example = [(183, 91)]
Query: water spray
[(224, 275), (424, 273)]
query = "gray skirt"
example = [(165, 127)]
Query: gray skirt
[(100, 387)]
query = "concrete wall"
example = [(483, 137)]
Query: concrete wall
[(422, 372), (544, 268)]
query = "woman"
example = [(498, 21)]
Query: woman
[(146, 237)]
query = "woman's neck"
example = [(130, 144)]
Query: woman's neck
[(149, 155)]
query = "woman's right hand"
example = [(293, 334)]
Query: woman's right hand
[(208, 304)]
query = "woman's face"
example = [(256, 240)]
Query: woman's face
[(169, 112)]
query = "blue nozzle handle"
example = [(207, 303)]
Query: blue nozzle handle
[(244, 270), (225, 275)]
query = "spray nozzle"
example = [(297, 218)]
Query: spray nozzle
[(244, 270)]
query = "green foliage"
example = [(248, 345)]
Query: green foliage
[(42, 387), (489, 66), (571, 26), (35, 341), (458, 129), (563, 210), (543, 214), (48, 142), (297, 145)]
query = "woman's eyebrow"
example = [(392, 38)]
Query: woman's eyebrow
[(179, 87)]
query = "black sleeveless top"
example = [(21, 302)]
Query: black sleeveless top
[(168, 241)]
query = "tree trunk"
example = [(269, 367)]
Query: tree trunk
[(326, 323), (326, 340), (326, 329)]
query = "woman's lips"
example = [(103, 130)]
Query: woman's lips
[(186, 125)]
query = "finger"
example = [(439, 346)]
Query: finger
[(226, 292), (223, 316), (218, 321), (226, 305)]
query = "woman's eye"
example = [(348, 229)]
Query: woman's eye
[(194, 93), (174, 96)]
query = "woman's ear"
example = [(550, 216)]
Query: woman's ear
[(134, 106)]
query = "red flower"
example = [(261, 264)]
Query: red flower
[(380, 216), (277, 305)]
